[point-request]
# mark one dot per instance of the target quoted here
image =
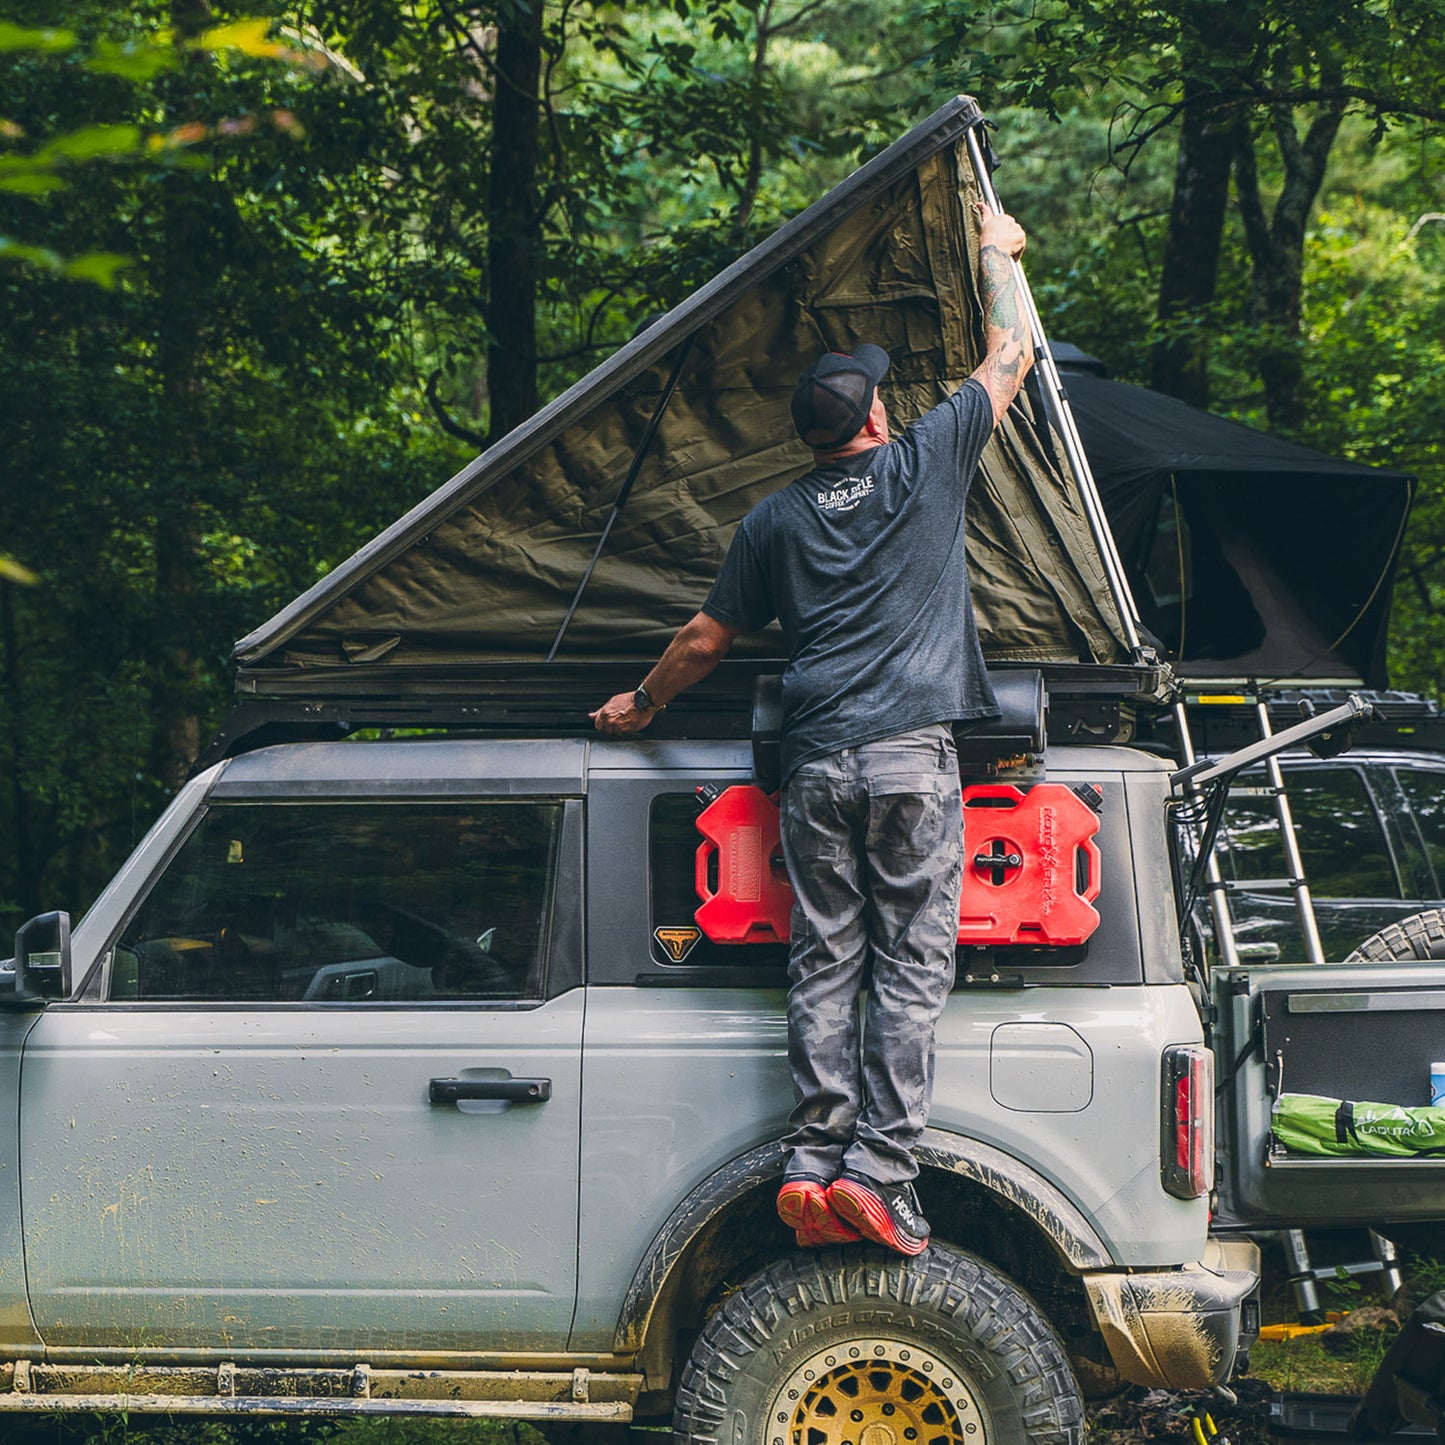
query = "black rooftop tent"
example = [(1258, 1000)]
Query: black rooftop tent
[(689, 424), (1267, 559)]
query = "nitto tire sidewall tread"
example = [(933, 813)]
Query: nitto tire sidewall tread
[(949, 1302), (1418, 938)]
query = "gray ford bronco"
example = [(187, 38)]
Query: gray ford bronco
[(428, 1056)]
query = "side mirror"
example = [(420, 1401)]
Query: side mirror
[(42, 957)]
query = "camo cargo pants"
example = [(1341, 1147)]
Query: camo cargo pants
[(872, 836)]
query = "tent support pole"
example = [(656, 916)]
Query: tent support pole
[(624, 491), (1062, 420)]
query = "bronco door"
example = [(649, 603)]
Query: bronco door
[(321, 1090)]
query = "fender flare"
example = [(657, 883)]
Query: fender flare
[(1062, 1223)]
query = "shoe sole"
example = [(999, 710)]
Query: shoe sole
[(804, 1208), (868, 1214)]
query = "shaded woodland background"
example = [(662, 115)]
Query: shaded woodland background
[(271, 272)]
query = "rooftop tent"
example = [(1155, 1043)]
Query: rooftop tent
[(1266, 559), (691, 421)]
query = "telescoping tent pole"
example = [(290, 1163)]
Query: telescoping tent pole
[(1062, 420)]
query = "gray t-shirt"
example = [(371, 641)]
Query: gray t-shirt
[(862, 563)]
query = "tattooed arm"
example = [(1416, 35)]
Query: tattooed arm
[(1010, 347)]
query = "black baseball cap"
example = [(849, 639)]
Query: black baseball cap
[(833, 396)]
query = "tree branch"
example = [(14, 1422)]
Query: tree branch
[(449, 424), (801, 14)]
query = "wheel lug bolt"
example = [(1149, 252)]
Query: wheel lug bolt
[(856, 1416), (888, 1409)]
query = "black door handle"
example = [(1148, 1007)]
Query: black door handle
[(514, 1091)]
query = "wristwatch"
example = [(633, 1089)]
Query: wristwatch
[(642, 700)]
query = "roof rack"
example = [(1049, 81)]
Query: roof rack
[(1222, 719), (1088, 703)]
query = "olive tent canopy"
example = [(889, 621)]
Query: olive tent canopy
[(687, 426)]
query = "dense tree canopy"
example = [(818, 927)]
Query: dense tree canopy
[(270, 271)]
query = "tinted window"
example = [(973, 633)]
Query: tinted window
[(1424, 790), (1341, 840), (348, 903), (672, 846)]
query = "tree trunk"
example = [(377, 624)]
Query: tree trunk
[(1192, 244), (753, 174), (1276, 249), (27, 863), (186, 227), (514, 220)]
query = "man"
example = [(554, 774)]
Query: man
[(862, 562)]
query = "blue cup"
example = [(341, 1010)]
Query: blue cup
[(1437, 1085)]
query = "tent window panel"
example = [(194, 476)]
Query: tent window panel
[(1340, 835), (1169, 566)]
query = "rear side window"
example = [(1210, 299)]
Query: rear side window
[(673, 841), (348, 903), (1340, 835)]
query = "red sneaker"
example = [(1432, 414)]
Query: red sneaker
[(803, 1207), (888, 1214)]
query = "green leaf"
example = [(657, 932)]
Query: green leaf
[(247, 36), (12, 571), (139, 60), (91, 142), (25, 177), (34, 255), (100, 267), (22, 37)]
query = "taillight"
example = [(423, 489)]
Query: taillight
[(1187, 1146)]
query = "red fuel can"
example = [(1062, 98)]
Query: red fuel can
[(1031, 866), (751, 899)]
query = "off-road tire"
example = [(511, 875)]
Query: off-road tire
[(861, 1345), (1418, 938)]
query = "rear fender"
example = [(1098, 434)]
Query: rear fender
[(693, 1227)]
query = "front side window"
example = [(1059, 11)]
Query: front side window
[(1340, 836), (348, 902)]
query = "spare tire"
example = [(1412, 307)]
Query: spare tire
[(1420, 938)]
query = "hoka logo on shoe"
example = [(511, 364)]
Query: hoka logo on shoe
[(904, 1210)]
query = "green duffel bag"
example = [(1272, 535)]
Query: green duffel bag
[(1309, 1124)]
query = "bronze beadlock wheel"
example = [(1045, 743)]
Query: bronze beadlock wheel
[(859, 1346), (874, 1392)]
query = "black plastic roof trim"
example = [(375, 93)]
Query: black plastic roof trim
[(581, 679), (945, 126)]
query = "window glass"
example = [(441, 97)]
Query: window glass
[(337, 902), (1341, 840), (676, 939), (1424, 790)]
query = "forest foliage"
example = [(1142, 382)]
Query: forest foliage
[(271, 271)]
